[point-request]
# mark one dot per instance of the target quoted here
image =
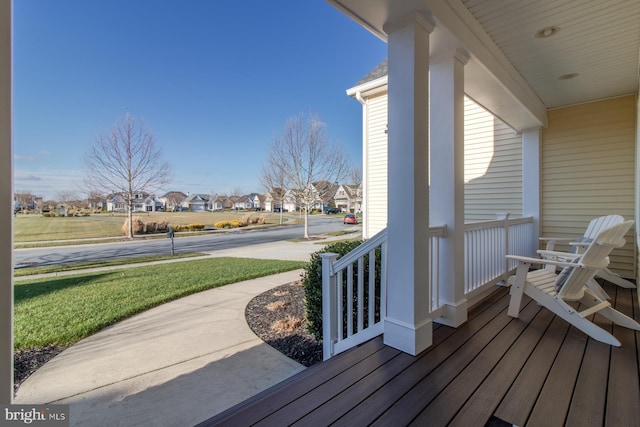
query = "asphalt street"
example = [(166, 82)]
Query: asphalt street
[(201, 243)]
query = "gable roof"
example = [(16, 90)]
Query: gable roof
[(381, 70)]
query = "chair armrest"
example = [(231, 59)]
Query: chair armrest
[(563, 255), (580, 244), (545, 261), (558, 239)]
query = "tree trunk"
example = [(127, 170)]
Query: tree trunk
[(130, 215), (306, 223)]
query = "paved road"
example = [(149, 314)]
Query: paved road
[(203, 243)]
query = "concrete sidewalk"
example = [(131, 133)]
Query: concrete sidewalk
[(174, 365)]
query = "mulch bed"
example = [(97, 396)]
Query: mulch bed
[(26, 362), (277, 317)]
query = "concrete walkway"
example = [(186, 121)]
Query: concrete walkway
[(174, 365)]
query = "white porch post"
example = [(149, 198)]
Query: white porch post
[(531, 194), (447, 178), (6, 215), (407, 325)]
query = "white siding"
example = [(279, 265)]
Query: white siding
[(375, 195), (492, 166), (578, 181)]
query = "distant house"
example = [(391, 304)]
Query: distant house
[(273, 199), (322, 194), (116, 203), (290, 203), (172, 200), (348, 198), (144, 202), (258, 201), (243, 202), (196, 203), (221, 203)]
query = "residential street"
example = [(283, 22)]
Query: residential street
[(203, 243)]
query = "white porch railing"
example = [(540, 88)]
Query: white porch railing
[(486, 245), (354, 287)]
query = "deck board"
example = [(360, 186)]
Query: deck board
[(624, 390), (530, 371), (482, 403), (519, 400)]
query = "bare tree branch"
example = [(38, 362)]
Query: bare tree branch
[(305, 162), (125, 161)]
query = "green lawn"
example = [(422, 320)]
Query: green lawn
[(64, 310), (38, 228), (45, 269)]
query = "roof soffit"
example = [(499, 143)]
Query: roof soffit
[(490, 79)]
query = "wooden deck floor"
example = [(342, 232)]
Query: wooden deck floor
[(531, 371)]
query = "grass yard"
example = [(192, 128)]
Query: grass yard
[(36, 228), (45, 269), (32, 228), (67, 309)]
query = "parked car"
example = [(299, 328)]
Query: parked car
[(350, 219)]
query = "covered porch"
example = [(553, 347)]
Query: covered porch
[(426, 339), (514, 62), (534, 371)]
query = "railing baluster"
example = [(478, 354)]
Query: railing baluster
[(340, 306), (372, 287), (349, 300), (329, 326), (360, 293)]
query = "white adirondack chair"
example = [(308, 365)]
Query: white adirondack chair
[(541, 285), (579, 244)]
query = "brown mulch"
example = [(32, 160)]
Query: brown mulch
[(277, 317), (26, 362)]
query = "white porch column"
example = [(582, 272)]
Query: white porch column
[(447, 178), (6, 214), (531, 193), (408, 325)]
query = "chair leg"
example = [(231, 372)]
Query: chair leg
[(595, 287), (611, 313), (517, 289), (614, 278)]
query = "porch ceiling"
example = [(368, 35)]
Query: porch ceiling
[(514, 73)]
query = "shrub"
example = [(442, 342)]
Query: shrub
[(312, 283), (138, 226), (195, 227), (150, 227), (163, 226)]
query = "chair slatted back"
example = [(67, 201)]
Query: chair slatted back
[(599, 224), (594, 259)]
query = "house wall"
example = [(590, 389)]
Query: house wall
[(375, 187), (578, 181), (493, 166)]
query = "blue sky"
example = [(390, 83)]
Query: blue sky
[(214, 81)]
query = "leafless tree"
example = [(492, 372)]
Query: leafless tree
[(311, 164), (126, 161), (66, 199), (356, 181), (24, 199), (274, 178)]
